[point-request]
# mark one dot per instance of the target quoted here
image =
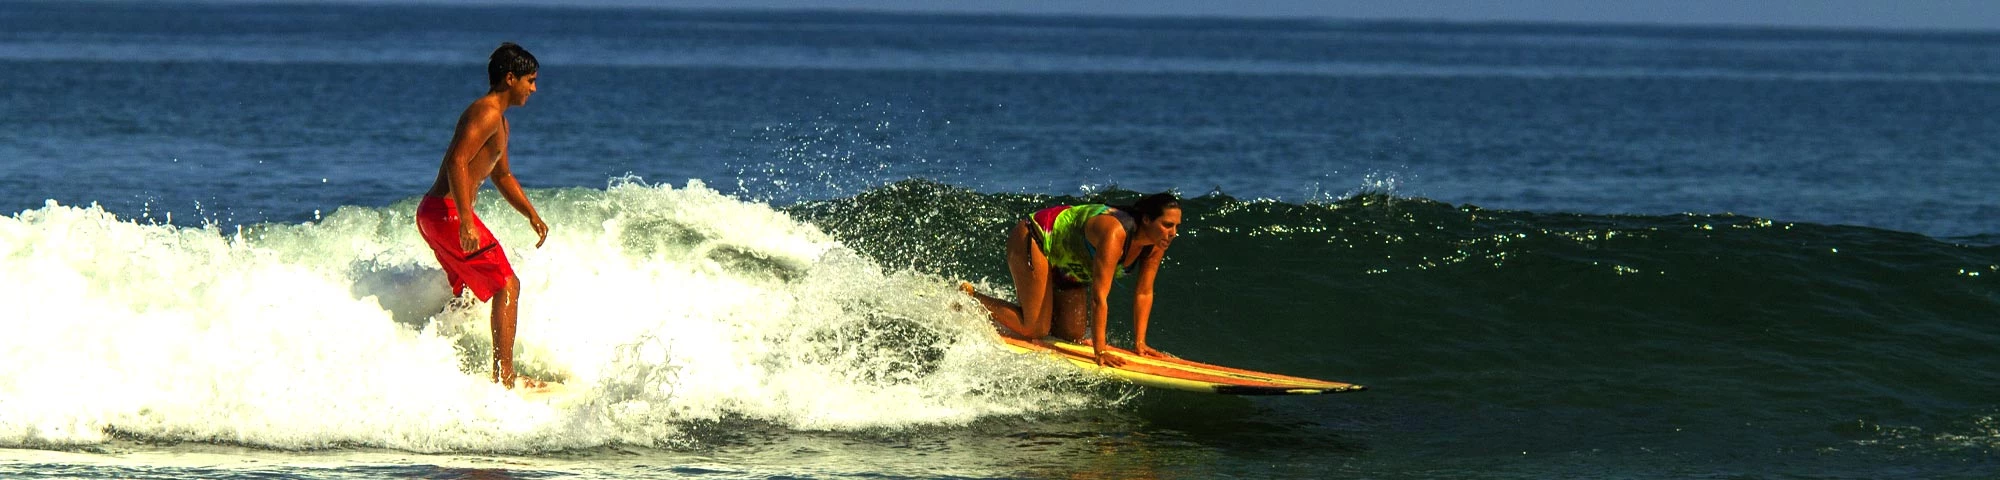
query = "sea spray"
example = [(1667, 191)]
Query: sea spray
[(666, 306), (181, 333)]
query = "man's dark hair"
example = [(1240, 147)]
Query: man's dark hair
[(509, 58)]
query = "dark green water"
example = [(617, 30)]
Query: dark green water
[(1582, 344)]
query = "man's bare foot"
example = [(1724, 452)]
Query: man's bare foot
[(523, 381)]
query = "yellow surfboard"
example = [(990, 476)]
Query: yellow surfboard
[(1179, 374), (551, 393)]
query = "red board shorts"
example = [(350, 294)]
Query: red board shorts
[(485, 270)]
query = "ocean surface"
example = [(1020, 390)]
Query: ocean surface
[(1551, 251)]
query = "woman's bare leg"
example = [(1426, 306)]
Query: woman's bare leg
[(1005, 313), (1030, 271), (1070, 313)]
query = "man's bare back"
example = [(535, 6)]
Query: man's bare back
[(469, 254), (480, 165)]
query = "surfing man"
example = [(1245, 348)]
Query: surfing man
[(471, 257), (1063, 259)]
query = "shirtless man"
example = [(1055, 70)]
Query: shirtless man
[(471, 257)]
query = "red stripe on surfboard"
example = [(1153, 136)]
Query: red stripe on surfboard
[(1086, 357), (1089, 361), (1247, 375), (1216, 380)]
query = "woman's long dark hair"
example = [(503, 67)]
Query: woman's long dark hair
[(1151, 207)]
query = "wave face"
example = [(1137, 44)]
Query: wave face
[(672, 309)]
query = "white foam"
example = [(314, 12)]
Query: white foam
[(662, 305)]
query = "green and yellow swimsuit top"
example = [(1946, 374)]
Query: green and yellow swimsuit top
[(1061, 234)]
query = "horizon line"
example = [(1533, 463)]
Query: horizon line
[(626, 5)]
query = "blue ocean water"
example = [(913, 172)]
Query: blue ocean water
[(1550, 250)]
